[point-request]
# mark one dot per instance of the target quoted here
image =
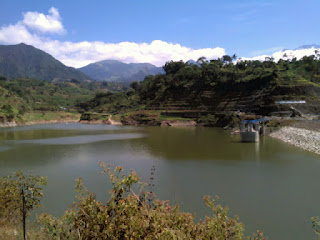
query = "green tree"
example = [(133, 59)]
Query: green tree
[(226, 59), (202, 60), (173, 67), (20, 194), (234, 57), (134, 85)]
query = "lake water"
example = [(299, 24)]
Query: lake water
[(271, 185)]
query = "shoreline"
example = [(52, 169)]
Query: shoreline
[(107, 122), (45, 117), (305, 139), (40, 122)]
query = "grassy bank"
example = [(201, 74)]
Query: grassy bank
[(50, 116), (41, 117)]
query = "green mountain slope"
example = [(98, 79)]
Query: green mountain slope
[(112, 70), (22, 97), (25, 61), (219, 86)]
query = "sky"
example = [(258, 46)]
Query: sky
[(80, 32)]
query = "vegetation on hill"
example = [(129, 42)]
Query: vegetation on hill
[(20, 97), (25, 61), (222, 86), (208, 88), (112, 70)]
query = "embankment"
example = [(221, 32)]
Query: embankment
[(8, 124), (303, 138), (14, 124), (41, 118)]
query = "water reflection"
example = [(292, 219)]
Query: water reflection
[(77, 139), (4, 148), (198, 144), (70, 126)]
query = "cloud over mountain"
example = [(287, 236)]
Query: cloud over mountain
[(298, 53), (37, 28)]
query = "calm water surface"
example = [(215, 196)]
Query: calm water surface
[(271, 185)]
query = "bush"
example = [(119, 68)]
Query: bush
[(130, 215), (126, 215), (230, 120)]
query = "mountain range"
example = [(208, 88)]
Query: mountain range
[(25, 61), (116, 71)]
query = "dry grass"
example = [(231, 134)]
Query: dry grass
[(8, 232)]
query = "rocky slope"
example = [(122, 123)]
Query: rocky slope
[(305, 139)]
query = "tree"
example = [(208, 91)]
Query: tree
[(134, 85), (269, 59), (202, 60), (226, 59), (173, 67), (20, 193), (234, 57)]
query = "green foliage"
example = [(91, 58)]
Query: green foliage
[(219, 85), (316, 226), (220, 120), (94, 117), (8, 113), (209, 120), (190, 82), (110, 102), (19, 194), (130, 215), (21, 96)]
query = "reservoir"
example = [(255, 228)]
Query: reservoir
[(270, 185)]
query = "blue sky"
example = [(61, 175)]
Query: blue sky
[(247, 28)]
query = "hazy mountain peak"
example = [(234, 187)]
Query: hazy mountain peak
[(114, 70), (308, 46)]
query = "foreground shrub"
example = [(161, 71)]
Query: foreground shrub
[(130, 215)]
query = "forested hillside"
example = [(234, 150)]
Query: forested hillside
[(21, 96), (223, 85), (25, 61)]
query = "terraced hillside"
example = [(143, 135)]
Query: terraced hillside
[(255, 89), (251, 87)]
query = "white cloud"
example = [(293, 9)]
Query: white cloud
[(18, 33), (157, 52), (34, 27), (287, 54), (50, 23), (31, 30)]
